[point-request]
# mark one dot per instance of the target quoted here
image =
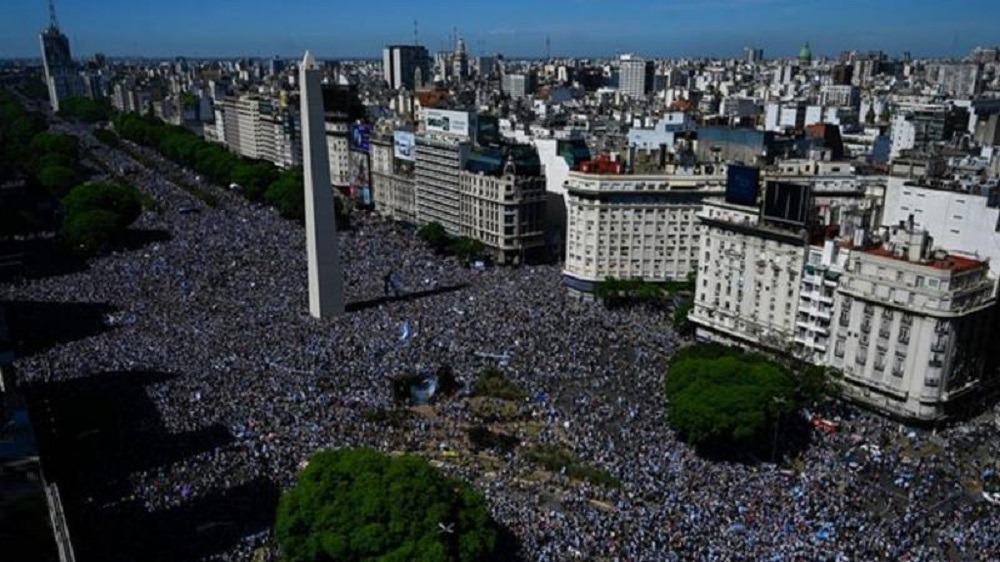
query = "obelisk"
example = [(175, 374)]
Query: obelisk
[(326, 297)]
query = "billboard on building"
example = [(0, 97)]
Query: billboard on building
[(404, 145), (742, 185), (447, 122), (360, 139), (360, 178), (786, 203)]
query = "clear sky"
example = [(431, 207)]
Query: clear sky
[(355, 28)]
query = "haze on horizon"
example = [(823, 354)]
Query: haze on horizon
[(231, 28)]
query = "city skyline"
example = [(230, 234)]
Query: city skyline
[(667, 28)]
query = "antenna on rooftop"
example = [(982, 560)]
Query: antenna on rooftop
[(416, 34), (53, 22), (548, 48)]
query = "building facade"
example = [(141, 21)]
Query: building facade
[(636, 76), (406, 66), (506, 212), (749, 278), (912, 326), (633, 226), (393, 183)]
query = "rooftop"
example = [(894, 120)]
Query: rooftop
[(953, 263)]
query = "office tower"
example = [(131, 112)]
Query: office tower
[(518, 85), (61, 78), (460, 62), (401, 65), (326, 297), (636, 76)]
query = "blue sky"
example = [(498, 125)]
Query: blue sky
[(346, 28)]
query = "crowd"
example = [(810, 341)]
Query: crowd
[(223, 305)]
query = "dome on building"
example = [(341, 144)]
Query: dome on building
[(806, 54)]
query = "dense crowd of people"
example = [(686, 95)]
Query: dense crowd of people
[(223, 305)]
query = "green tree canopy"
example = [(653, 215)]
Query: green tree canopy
[(466, 248), (287, 194), (719, 396), (84, 109), (682, 324), (255, 177), (57, 179), (434, 234), (360, 505), (66, 148), (96, 213), (91, 230)]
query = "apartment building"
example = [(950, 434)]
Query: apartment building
[(255, 127), (393, 182), (439, 162), (634, 226), (913, 326), (749, 278), (338, 153), (502, 202)]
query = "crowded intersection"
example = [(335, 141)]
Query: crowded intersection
[(221, 303)]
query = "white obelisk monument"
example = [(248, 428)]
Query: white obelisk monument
[(326, 296)]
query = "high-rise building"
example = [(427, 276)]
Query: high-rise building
[(442, 147), (460, 62), (518, 85), (753, 55), (636, 76), (61, 77), (400, 66)]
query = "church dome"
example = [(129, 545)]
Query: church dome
[(806, 54)]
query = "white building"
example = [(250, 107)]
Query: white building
[(634, 226), (960, 222), (912, 326), (749, 272), (518, 86), (636, 76), (663, 132), (338, 152)]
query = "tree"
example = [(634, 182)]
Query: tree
[(91, 230), (359, 504), (57, 179), (67, 146), (722, 397), (94, 214), (107, 137), (434, 234), (120, 199), (287, 194), (466, 248), (255, 177), (84, 109), (682, 324)]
